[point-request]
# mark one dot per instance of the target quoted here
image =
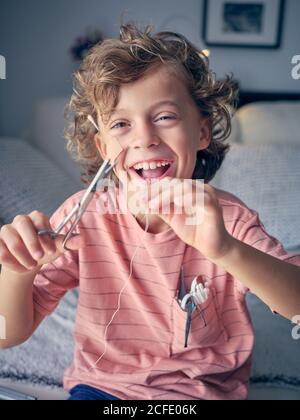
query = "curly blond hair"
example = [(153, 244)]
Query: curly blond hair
[(114, 62)]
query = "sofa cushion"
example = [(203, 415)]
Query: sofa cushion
[(266, 177), (47, 133), (30, 181), (276, 354), (269, 122), (45, 356)]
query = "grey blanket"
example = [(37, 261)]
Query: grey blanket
[(44, 357)]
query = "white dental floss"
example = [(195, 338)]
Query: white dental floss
[(119, 299)]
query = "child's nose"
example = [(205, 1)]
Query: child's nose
[(144, 136)]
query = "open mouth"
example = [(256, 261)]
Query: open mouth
[(153, 170)]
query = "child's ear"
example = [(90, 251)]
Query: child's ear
[(101, 146), (205, 134)]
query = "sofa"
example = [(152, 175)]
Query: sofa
[(261, 168)]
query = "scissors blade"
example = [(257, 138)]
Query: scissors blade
[(105, 168), (201, 313), (182, 289), (66, 219), (190, 308), (81, 206), (55, 232), (106, 165)]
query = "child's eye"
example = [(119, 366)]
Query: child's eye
[(117, 125), (169, 117), (122, 123)]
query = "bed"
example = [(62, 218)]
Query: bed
[(266, 134)]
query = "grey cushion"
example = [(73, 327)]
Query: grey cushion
[(29, 181), (44, 357), (269, 122), (266, 177), (276, 354)]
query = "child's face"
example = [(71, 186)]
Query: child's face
[(155, 132)]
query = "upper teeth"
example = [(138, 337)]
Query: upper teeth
[(150, 165)]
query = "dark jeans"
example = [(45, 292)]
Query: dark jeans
[(88, 393)]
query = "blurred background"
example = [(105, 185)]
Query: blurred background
[(36, 37)]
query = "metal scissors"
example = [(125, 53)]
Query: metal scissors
[(82, 205), (190, 301)]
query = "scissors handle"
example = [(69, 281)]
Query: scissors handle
[(81, 206), (190, 308), (51, 233), (55, 232)]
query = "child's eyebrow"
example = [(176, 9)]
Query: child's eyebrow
[(155, 105)]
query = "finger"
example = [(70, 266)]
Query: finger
[(17, 247), (210, 189), (165, 186), (210, 196), (9, 261), (28, 234), (162, 199), (75, 242), (185, 193), (41, 222), (170, 206)]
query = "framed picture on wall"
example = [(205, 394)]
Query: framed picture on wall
[(243, 23)]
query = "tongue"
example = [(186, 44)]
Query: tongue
[(154, 173)]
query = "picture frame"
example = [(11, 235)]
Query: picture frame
[(243, 23)]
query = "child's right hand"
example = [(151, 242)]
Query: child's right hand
[(21, 248)]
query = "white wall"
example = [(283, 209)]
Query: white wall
[(35, 36)]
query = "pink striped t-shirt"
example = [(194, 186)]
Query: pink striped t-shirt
[(145, 356)]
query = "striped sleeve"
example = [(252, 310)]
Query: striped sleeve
[(253, 233), (56, 278)]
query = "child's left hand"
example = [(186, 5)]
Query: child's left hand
[(210, 236)]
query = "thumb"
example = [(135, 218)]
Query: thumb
[(75, 242)]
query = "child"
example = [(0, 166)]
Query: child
[(156, 95)]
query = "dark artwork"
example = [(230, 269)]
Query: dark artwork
[(243, 17)]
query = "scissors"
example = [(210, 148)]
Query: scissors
[(82, 205), (190, 301)]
